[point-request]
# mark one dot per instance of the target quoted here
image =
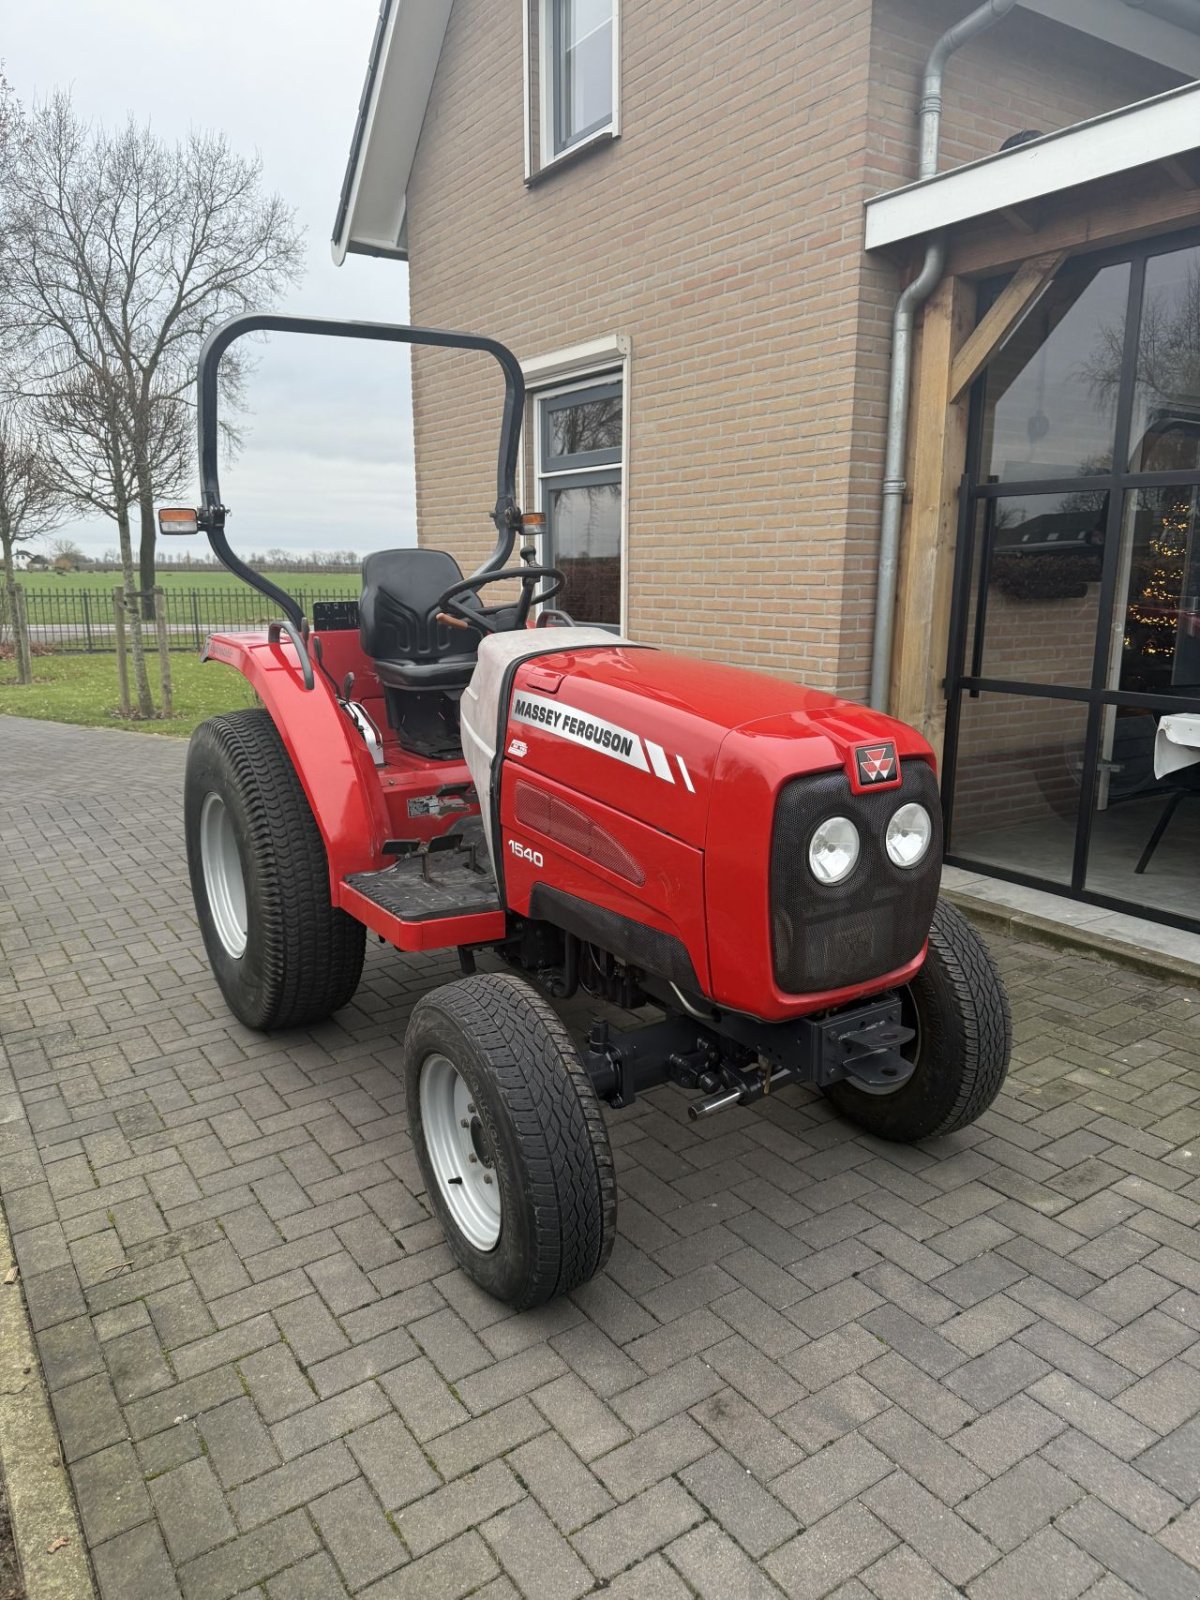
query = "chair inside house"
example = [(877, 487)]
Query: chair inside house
[(1178, 786), (423, 664)]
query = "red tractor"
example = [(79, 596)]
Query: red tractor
[(755, 863)]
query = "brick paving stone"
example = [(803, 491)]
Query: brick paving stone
[(292, 1485), (237, 1443), (839, 1472), (110, 1493), (535, 1555), (715, 1567), (357, 1534), (834, 1549), (136, 1566), (929, 1527), (904, 1575), (456, 1569), (1048, 1566), (192, 1510), (392, 1461), (620, 1537), (247, 1319), (248, 1560), (316, 1576), (466, 1503), (653, 1455), (1118, 1547), (732, 1497)]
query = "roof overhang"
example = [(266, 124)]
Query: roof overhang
[(1158, 130), (371, 217), (1164, 31)]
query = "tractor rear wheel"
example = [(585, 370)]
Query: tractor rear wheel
[(281, 954), (959, 1010), (510, 1139)]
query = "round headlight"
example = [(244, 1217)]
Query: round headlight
[(908, 835), (833, 850)]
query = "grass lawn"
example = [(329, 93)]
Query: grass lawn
[(330, 583), (84, 689)]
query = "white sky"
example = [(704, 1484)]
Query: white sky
[(328, 456)]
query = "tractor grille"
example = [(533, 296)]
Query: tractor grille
[(827, 936)]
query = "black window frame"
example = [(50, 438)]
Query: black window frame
[(966, 681)]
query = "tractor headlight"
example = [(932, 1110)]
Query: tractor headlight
[(833, 850), (908, 835)]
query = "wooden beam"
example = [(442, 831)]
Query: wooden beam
[(1091, 217), (938, 450), (1011, 306)]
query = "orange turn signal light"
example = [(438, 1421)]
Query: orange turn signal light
[(178, 519)]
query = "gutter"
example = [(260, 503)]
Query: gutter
[(903, 323)]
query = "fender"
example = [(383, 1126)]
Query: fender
[(332, 762)]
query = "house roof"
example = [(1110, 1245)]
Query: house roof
[(371, 214), (1160, 129)]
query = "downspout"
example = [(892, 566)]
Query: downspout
[(903, 323)]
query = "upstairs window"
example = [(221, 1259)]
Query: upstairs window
[(582, 42), (576, 63)]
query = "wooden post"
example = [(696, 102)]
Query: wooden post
[(20, 619), (122, 649), (939, 435), (164, 649)]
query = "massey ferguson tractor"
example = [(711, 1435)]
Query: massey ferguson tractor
[(450, 763)]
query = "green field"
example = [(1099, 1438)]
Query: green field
[(83, 689), (330, 583)]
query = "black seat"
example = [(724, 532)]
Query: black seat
[(409, 648)]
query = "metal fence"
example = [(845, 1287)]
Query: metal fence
[(81, 620)]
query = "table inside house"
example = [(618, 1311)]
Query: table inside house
[(1177, 743)]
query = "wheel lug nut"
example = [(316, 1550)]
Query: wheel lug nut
[(487, 1177), (471, 1109), (463, 1122), (472, 1158)]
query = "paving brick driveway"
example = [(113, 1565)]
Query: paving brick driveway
[(816, 1365)]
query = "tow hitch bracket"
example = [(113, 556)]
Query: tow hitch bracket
[(736, 1060)]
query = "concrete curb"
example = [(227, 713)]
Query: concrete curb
[(989, 915), (40, 1502)]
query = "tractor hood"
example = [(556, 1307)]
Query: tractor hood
[(643, 731)]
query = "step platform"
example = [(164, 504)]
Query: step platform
[(429, 898)]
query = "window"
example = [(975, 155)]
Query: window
[(579, 491), (576, 65)]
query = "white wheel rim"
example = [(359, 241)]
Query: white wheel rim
[(459, 1153), (224, 881)]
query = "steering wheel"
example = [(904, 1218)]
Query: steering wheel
[(452, 607)]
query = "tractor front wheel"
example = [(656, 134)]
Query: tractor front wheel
[(510, 1139), (963, 1039), (281, 954)]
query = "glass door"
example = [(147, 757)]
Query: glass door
[(1077, 594)]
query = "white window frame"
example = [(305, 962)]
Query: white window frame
[(540, 154), (560, 372)]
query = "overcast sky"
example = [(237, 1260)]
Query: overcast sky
[(328, 456)]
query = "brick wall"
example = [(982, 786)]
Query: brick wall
[(722, 233)]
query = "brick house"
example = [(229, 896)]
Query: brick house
[(693, 224)]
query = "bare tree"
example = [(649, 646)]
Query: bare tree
[(31, 506), (118, 256), (84, 414)]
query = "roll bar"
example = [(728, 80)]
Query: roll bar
[(211, 514)]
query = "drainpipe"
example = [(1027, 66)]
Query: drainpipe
[(903, 323)]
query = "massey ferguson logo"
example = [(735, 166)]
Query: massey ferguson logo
[(876, 763)]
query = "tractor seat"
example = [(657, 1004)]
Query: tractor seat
[(410, 650)]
